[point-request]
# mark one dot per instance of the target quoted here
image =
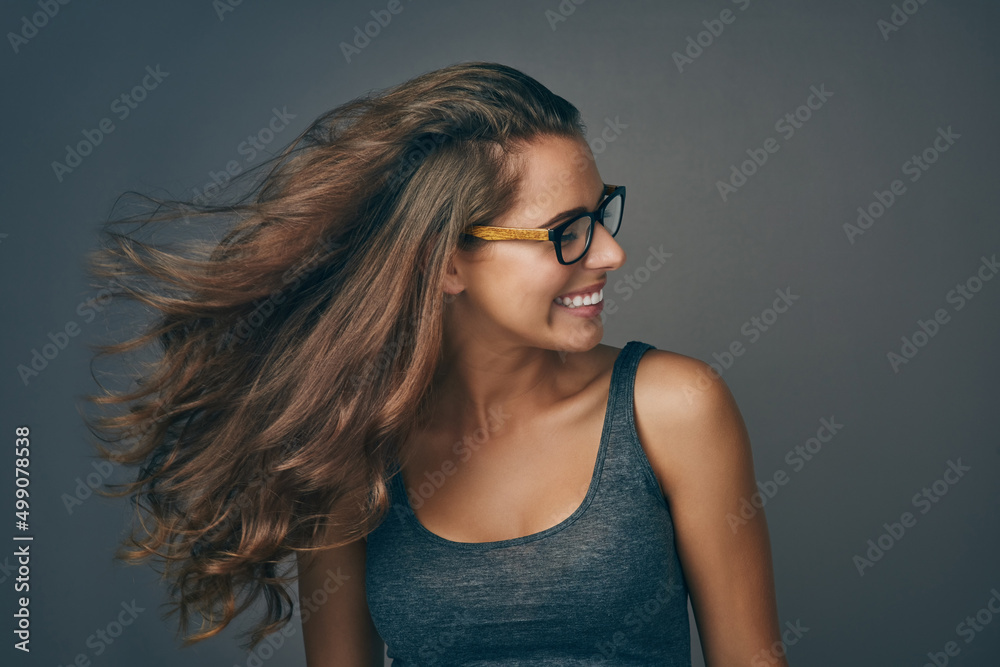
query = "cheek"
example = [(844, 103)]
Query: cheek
[(521, 286)]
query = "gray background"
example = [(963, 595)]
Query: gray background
[(825, 357)]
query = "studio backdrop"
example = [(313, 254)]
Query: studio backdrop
[(811, 210)]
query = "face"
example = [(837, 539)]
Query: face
[(507, 293)]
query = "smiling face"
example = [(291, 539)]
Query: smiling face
[(507, 293)]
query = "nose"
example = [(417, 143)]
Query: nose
[(604, 252)]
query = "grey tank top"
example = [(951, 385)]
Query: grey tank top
[(602, 587)]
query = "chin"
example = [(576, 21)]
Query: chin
[(586, 335)]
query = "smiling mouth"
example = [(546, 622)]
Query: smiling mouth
[(580, 300)]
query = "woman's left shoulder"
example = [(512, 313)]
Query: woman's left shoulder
[(686, 418), (678, 385)]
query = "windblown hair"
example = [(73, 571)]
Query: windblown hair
[(294, 356)]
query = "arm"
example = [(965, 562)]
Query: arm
[(698, 445), (339, 631)]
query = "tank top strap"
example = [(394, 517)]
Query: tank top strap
[(626, 462), (623, 386)]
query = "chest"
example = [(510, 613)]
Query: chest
[(507, 479), (605, 585)]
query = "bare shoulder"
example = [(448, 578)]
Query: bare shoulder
[(687, 419)]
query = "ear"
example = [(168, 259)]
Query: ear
[(453, 283)]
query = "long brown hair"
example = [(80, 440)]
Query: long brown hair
[(294, 356)]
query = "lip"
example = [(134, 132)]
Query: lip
[(590, 289), (587, 312)]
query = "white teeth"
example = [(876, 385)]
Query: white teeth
[(578, 301)]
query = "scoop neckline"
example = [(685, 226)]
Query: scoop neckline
[(551, 530)]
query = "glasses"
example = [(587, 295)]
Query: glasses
[(571, 238)]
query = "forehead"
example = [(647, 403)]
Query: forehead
[(558, 173), (548, 160)]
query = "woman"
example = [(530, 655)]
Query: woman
[(391, 368)]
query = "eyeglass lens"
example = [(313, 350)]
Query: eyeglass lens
[(575, 238)]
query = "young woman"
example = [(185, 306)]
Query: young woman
[(391, 368)]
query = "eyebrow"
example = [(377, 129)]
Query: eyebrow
[(566, 215)]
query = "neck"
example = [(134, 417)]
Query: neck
[(480, 377)]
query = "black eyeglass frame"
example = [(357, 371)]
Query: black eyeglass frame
[(491, 233)]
